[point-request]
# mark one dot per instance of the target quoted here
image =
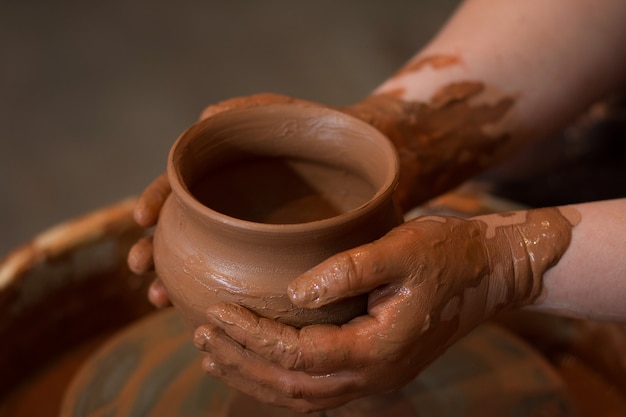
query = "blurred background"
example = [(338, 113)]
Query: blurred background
[(93, 94)]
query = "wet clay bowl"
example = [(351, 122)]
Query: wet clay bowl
[(259, 196)]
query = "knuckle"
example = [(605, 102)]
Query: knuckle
[(288, 389), (350, 264), (346, 271), (294, 361), (287, 353)]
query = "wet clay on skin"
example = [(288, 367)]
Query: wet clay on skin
[(435, 279), (514, 251), (441, 142), (444, 141), (434, 61), (455, 273), (537, 240)]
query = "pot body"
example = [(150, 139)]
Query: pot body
[(261, 195)]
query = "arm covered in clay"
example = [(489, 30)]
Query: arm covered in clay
[(554, 58), (590, 279), (499, 76), (430, 281)]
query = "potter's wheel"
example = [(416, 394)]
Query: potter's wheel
[(152, 369)]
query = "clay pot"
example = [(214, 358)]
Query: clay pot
[(261, 195)]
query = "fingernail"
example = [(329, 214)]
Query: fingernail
[(200, 338), (218, 315), (211, 367), (304, 294)]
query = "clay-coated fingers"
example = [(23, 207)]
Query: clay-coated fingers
[(353, 272), (140, 259), (151, 200), (315, 349), (266, 381), (157, 294)]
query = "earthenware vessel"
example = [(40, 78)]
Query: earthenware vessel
[(262, 194)]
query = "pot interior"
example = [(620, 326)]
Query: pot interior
[(283, 164)]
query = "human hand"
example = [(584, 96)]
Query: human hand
[(430, 281)]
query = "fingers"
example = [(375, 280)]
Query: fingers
[(317, 349), (245, 371), (157, 294), (151, 200), (344, 275), (140, 260)]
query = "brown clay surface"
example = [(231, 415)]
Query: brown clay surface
[(443, 142), (281, 191)]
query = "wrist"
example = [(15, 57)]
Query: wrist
[(441, 143), (521, 247)]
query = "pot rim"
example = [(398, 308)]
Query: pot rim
[(382, 194)]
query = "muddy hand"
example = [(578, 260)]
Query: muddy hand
[(430, 281)]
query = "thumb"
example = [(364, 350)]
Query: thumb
[(347, 274)]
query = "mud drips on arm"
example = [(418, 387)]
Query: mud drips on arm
[(437, 61), (455, 127), (466, 271), (521, 247), (440, 143)]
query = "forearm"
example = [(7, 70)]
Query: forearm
[(554, 58), (568, 260), (590, 278), (500, 75)]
